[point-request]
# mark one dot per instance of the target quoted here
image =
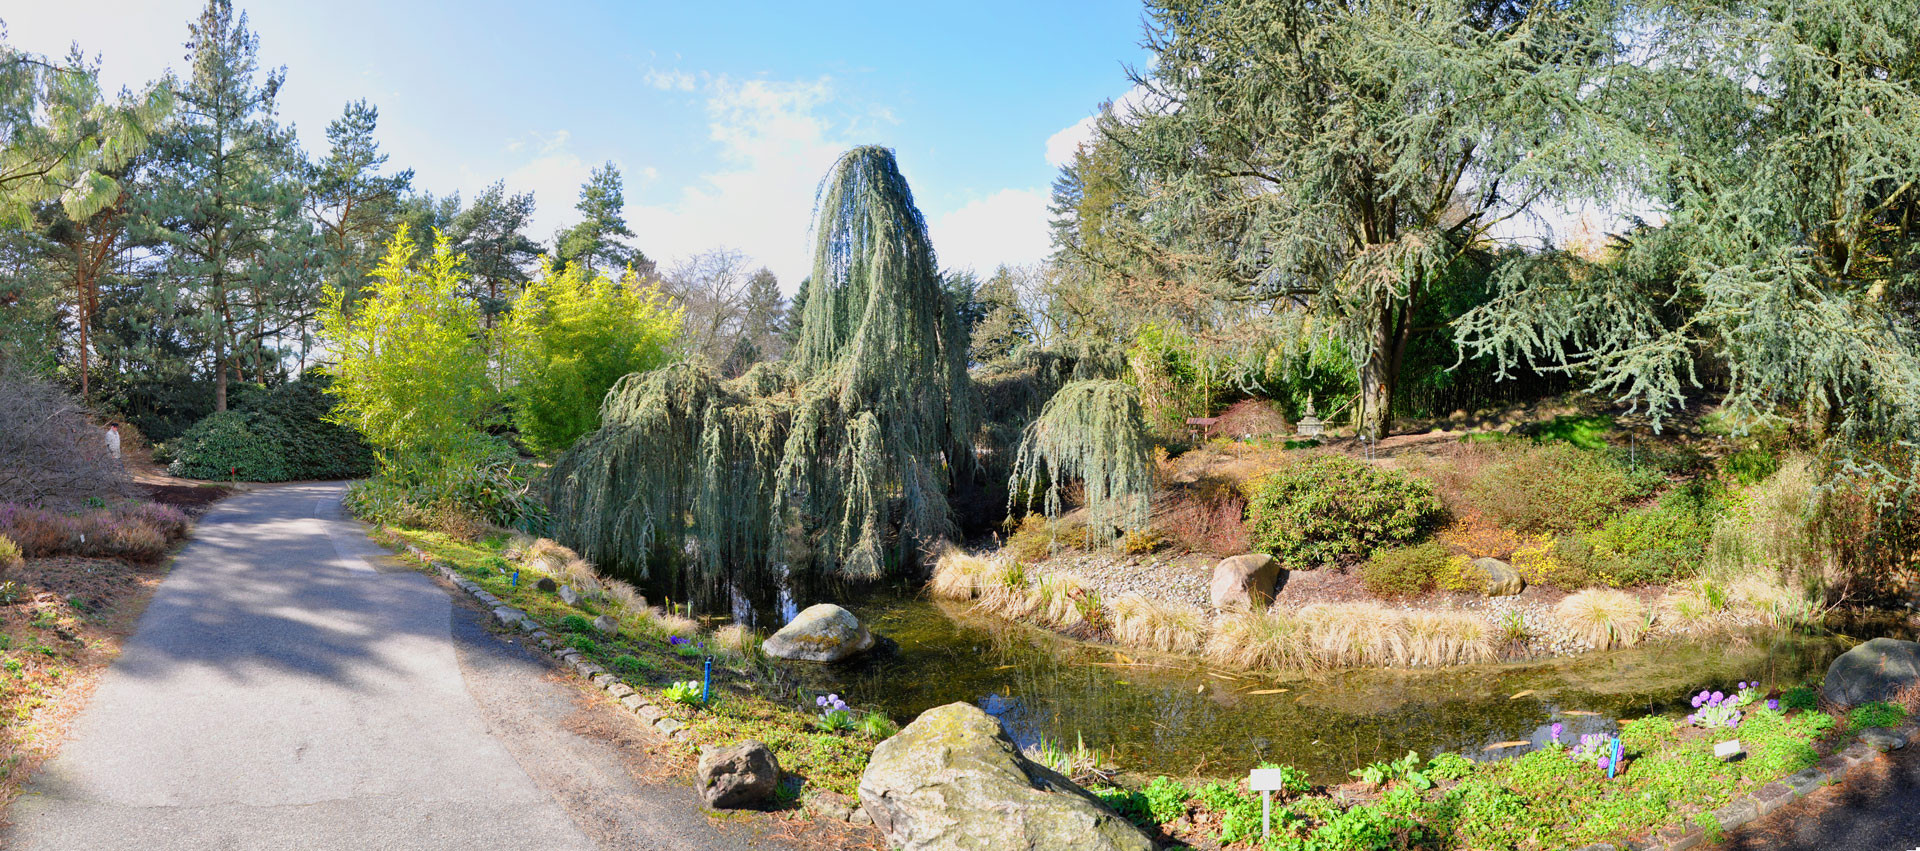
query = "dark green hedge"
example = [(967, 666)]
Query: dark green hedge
[(272, 435)]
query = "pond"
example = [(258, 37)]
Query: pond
[(1161, 715)]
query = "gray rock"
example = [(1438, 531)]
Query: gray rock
[(1771, 797), (1883, 739), (823, 633), (1740, 812), (830, 805), (1498, 579), (1872, 671), (606, 624), (1245, 582), (569, 596), (952, 779), (739, 776)]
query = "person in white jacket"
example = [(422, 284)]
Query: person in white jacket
[(113, 440)]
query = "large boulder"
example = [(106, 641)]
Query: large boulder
[(1245, 582), (1872, 671), (821, 633), (743, 775), (1496, 577), (952, 779)]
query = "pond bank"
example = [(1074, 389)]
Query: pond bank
[(1154, 713)]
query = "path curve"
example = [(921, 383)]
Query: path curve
[(280, 692)]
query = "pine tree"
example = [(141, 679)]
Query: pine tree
[(1003, 326), (597, 241), (226, 204), (491, 234), (61, 139), (355, 206)]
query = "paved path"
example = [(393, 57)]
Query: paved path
[(283, 692), (1876, 809)]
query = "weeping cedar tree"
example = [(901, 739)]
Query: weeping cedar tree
[(1790, 258), (1345, 156), (839, 462)]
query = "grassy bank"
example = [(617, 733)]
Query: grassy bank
[(656, 651), (1558, 796)]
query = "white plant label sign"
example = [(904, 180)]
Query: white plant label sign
[(1727, 750)]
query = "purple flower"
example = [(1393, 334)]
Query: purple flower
[(676, 640), (1773, 704), (1556, 733), (1699, 699), (1604, 762), (1718, 697)]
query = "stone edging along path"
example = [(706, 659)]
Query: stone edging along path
[(1869, 745), (649, 712)]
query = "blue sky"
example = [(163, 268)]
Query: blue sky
[(723, 116)]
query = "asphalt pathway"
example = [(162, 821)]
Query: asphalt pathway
[(283, 690), (1876, 809)]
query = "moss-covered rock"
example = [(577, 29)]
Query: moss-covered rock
[(952, 779), (821, 633)]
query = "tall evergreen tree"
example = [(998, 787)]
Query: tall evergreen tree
[(1003, 326), (354, 205), (1788, 167), (226, 204), (597, 241), (763, 318), (491, 234), (1347, 155)]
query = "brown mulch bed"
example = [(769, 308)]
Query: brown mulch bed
[(62, 620), (192, 499)]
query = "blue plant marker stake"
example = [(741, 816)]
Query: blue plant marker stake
[(706, 679), (516, 579), (1613, 765)]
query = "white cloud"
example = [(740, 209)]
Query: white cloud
[(672, 79), (1062, 145), (1009, 226), (775, 141)]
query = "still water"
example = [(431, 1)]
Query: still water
[(1161, 715)]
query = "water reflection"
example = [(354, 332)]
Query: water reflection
[(1169, 716)]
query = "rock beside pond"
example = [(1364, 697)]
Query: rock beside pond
[(1872, 671), (1496, 577), (1245, 582), (821, 633), (953, 779), (739, 776)]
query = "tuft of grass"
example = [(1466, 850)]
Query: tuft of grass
[(549, 556), (1006, 591), (624, 597), (9, 553), (1272, 640), (1447, 638), (674, 623), (958, 576), (1056, 599), (1154, 625), (736, 640), (1353, 635), (1604, 618)]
